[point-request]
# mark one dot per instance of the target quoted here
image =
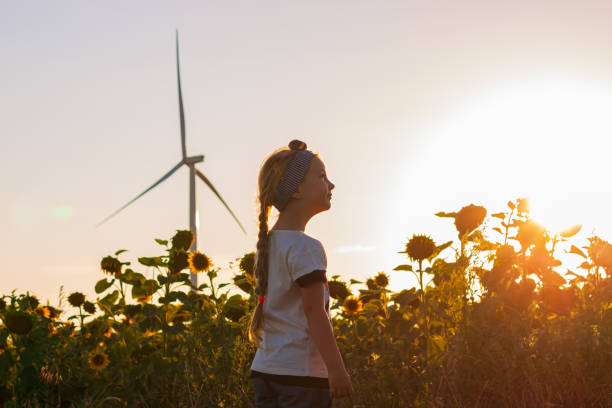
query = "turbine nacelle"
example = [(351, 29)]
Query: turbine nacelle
[(193, 159)]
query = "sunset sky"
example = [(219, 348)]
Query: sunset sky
[(415, 108)]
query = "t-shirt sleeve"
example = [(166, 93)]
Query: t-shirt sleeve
[(312, 277), (306, 257)]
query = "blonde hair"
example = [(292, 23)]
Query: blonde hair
[(270, 174)]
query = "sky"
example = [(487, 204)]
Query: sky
[(415, 107)]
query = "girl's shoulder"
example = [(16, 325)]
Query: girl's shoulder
[(296, 240)]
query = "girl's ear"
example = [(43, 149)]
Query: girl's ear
[(297, 193)]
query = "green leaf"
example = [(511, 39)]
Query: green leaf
[(511, 205), (498, 230), (203, 286), (110, 299), (575, 250), (585, 265), (222, 285), (446, 215), (151, 261), (102, 285), (161, 242), (120, 251), (132, 278), (403, 268), (500, 215), (147, 288), (355, 281)]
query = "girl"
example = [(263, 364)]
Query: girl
[(297, 363)]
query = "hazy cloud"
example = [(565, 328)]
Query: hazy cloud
[(355, 248)]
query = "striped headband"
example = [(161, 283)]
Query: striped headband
[(294, 174)]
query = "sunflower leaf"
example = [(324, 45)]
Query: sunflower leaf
[(446, 215), (151, 261), (403, 267), (120, 251), (132, 278), (110, 299), (103, 284), (575, 250)]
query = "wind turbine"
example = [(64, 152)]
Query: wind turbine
[(189, 161)]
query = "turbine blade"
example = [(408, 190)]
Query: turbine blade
[(180, 94), (175, 168), (209, 184)]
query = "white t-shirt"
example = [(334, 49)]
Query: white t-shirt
[(287, 347)]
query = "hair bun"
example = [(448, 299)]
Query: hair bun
[(297, 145)]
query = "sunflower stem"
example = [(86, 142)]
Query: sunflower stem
[(81, 317), (122, 292)]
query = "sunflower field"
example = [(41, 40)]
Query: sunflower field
[(495, 320)]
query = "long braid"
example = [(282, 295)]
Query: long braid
[(269, 177), (261, 273)]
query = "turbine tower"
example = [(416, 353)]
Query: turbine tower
[(189, 161)]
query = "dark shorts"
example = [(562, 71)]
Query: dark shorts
[(270, 394)]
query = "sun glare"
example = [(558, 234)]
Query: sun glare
[(548, 140)]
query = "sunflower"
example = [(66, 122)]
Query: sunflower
[(18, 322), (43, 311), (600, 252), (111, 265), (247, 263), (381, 280), (530, 233), (338, 290), (177, 261), (182, 240), (371, 284), (53, 312), (351, 305), (199, 262), (505, 256), (469, 218), (523, 205), (98, 361), (89, 307), (420, 247), (30, 302), (76, 299)]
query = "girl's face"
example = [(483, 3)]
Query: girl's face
[(316, 188)]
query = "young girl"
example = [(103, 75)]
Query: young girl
[(297, 363)]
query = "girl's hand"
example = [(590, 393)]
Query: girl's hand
[(340, 383)]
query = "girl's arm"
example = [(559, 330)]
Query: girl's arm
[(321, 330)]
